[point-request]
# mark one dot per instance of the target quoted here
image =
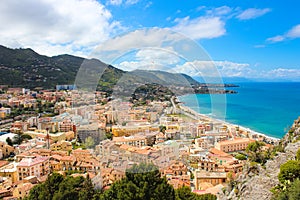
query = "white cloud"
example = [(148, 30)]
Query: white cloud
[(114, 2), (150, 59), (293, 33), (277, 38), (253, 13), (132, 2), (283, 73), (119, 2), (201, 27), (213, 68), (54, 26), (219, 11)]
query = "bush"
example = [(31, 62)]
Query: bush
[(241, 157), (289, 171)]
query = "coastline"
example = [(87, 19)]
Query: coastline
[(198, 116)]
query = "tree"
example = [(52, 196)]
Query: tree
[(26, 137), (17, 139), (89, 142), (289, 171), (142, 182), (240, 156), (86, 192), (57, 187), (254, 150), (9, 141), (184, 193), (162, 129)]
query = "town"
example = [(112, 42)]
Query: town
[(76, 133)]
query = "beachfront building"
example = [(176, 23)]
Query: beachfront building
[(238, 144)]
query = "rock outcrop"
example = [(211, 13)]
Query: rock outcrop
[(256, 181)]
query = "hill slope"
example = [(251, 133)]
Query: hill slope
[(26, 68)]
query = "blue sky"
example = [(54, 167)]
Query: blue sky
[(245, 38)]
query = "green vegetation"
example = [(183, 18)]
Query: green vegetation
[(26, 68), (142, 182), (240, 156), (17, 139), (89, 142), (289, 171), (255, 152), (185, 193), (162, 128), (57, 187), (9, 141), (298, 155), (289, 178)]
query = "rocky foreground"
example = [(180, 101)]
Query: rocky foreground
[(256, 181)]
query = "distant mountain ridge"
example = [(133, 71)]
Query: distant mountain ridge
[(26, 68)]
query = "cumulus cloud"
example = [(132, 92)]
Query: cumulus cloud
[(214, 68), (201, 27), (293, 33), (283, 73), (150, 59), (54, 26), (252, 13)]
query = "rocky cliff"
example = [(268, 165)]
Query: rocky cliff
[(256, 181)]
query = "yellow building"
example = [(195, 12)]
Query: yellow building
[(6, 149), (10, 171), (22, 190), (135, 140), (213, 178), (119, 131), (61, 146), (43, 133), (238, 144)]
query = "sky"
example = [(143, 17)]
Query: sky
[(254, 39)]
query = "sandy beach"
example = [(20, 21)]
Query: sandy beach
[(197, 116)]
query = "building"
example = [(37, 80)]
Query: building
[(137, 141), (43, 133), (6, 150), (61, 146), (238, 144), (213, 178), (33, 166), (4, 112), (22, 190), (118, 131), (10, 171)]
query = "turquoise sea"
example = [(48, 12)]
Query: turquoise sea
[(268, 108)]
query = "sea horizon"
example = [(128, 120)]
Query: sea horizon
[(269, 108)]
